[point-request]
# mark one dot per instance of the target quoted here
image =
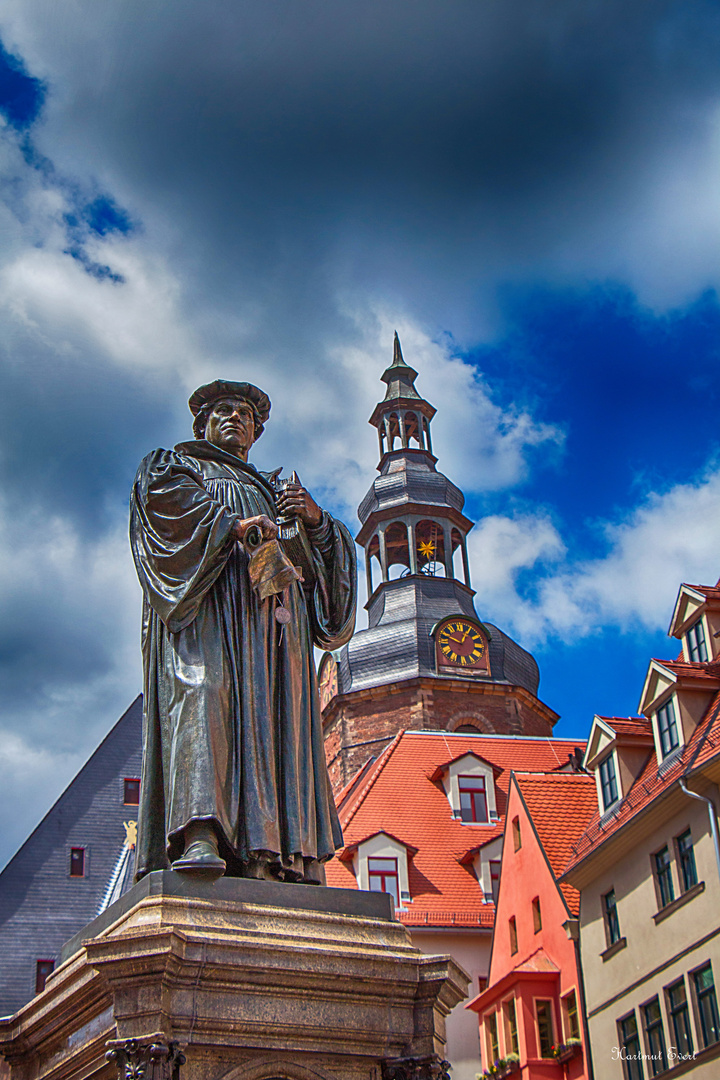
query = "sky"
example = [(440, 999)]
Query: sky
[(527, 190)]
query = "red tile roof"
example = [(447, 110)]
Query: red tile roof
[(703, 745), (628, 725), (711, 592), (396, 795), (684, 669), (561, 806)]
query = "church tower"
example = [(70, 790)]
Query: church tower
[(426, 661)]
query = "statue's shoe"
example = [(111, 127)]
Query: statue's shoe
[(201, 860)]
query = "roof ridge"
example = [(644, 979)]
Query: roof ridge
[(380, 765)]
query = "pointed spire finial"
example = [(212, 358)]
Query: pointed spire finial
[(397, 353)]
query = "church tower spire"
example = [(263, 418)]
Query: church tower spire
[(425, 661), (412, 521)]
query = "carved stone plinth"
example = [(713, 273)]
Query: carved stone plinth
[(250, 980)]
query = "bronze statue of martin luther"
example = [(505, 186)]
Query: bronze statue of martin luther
[(234, 777)]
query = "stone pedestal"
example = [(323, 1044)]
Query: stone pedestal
[(246, 980)]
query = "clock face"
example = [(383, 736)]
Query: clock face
[(460, 644), (327, 681)]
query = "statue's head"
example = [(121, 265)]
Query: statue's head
[(230, 415)]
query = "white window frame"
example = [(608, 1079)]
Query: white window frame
[(706, 635), (679, 727), (618, 786)]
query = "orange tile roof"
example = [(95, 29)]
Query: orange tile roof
[(682, 668), (712, 592), (628, 725), (396, 795), (561, 806), (703, 745)]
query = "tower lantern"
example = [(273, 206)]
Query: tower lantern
[(402, 415)]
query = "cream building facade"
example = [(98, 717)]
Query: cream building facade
[(648, 868)]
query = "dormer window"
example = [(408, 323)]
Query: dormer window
[(380, 864), (473, 800), (608, 781), (469, 783), (668, 728), (696, 646)]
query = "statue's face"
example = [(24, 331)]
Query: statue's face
[(231, 426)]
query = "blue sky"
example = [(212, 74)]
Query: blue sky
[(527, 190)]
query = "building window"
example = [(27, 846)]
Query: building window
[(512, 925), (517, 840), (537, 917), (77, 862), (630, 1047), (697, 649), (543, 1012), (608, 782), (655, 1037), (668, 728), (572, 1020), (495, 878), (610, 913), (131, 791), (473, 801), (706, 1005), (491, 1030), (383, 877), (663, 877), (511, 1032), (679, 1018), (43, 969), (686, 859)]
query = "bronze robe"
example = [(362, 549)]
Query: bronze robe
[(232, 726)]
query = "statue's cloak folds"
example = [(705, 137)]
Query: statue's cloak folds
[(232, 726)]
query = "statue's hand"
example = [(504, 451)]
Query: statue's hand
[(267, 527), (295, 501)]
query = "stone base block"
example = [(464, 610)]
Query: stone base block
[(246, 980)]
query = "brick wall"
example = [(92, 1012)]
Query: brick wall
[(358, 726)]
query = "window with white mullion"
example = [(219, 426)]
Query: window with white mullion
[(668, 728), (697, 649), (608, 782)]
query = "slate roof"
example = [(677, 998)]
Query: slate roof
[(41, 906), (652, 781), (561, 806), (397, 795)]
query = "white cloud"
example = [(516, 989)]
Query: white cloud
[(668, 538)]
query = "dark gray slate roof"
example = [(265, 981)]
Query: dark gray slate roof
[(410, 476), (398, 643), (41, 906)]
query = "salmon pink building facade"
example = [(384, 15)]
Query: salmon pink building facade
[(531, 1013)]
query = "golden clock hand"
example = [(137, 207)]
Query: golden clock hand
[(451, 638)]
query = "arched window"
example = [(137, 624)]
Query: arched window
[(412, 430), (396, 547), (457, 558), (430, 543), (394, 430)]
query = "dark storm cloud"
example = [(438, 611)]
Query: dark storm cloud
[(286, 140)]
